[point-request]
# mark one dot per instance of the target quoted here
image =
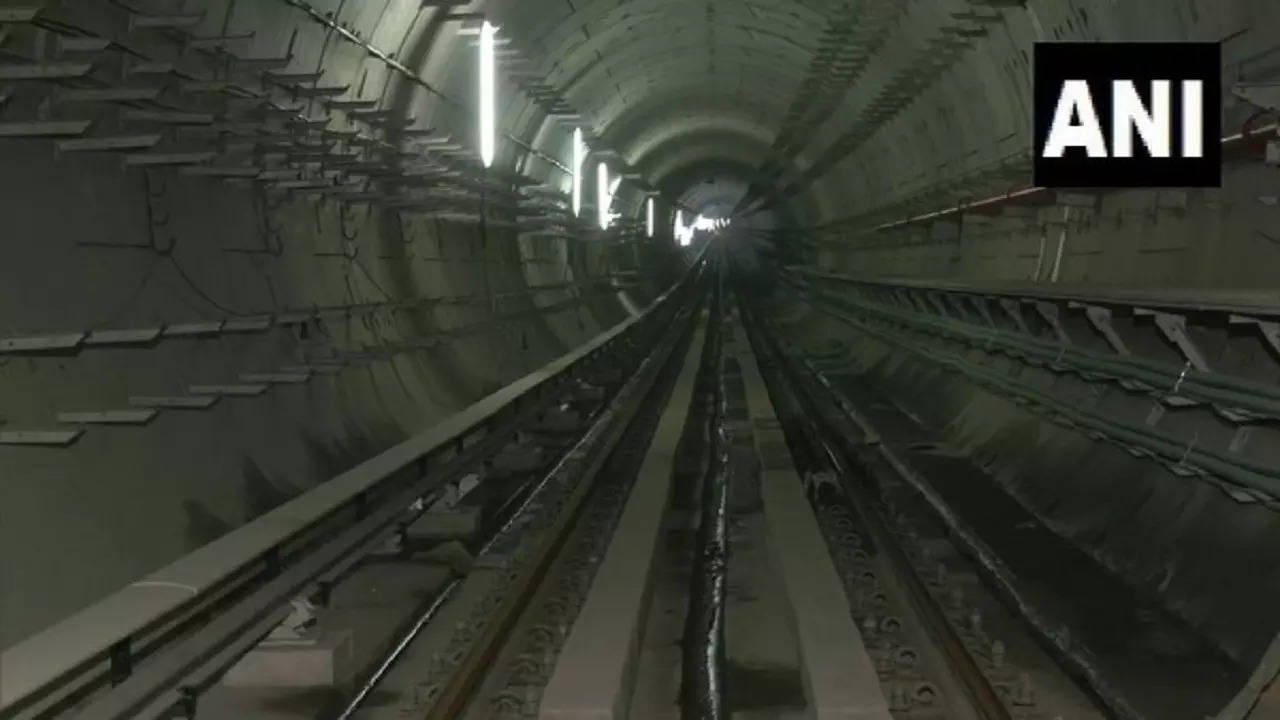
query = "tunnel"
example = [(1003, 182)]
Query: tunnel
[(926, 439)]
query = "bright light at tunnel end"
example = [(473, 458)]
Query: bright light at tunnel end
[(685, 234), (648, 223), (487, 93)]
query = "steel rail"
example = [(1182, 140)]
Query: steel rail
[(561, 600), (442, 597), (873, 456), (830, 442), (156, 622), (584, 462), (125, 701)]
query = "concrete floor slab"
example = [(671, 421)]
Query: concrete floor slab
[(763, 674)]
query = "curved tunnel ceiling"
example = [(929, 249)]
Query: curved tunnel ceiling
[(665, 82), (802, 87), (844, 105)]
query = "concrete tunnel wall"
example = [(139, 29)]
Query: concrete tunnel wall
[(80, 522), (1178, 541), (948, 143), (77, 523)]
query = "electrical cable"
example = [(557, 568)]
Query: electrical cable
[(196, 289), (342, 224), (386, 295)]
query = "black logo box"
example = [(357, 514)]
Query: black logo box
[(1101, 63)]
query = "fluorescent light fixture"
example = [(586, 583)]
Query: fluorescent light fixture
[(683, 234), (487, 91), (579, 153), (602, 195), (648, 224)]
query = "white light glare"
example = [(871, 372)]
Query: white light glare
[(602, 195), (685, 234), (648, 223), (487, 90), (579, 152)]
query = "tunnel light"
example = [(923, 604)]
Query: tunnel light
[(579, 155), (487, 93), (602, 195), (648, 223), (685, 234)]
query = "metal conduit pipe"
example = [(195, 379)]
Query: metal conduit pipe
[(1246, 301), (1209, 387), (1177, 454)]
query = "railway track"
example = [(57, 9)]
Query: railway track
[(936, 643), (944, 645), (301, 576), (687, 520), (514, 634)]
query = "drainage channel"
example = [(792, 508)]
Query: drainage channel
[(944, 645), (702, 692)]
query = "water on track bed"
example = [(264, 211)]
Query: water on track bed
[(1153, 660)]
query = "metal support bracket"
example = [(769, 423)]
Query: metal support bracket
[(1052, 315), (1014, 311), (1100, 318), (1174, 328)]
